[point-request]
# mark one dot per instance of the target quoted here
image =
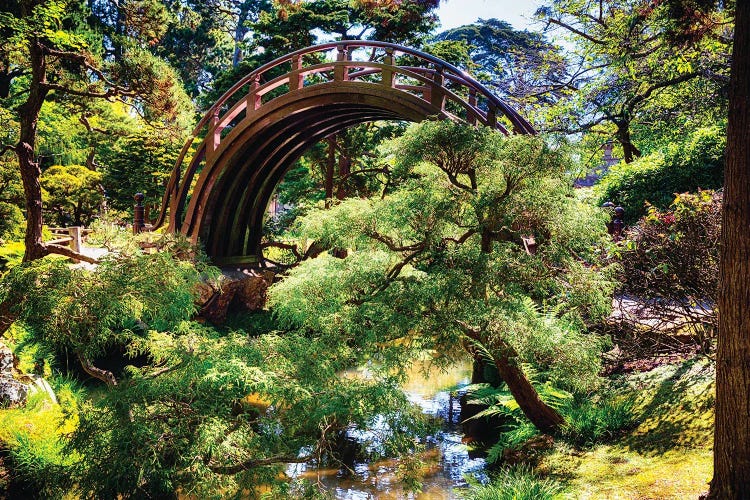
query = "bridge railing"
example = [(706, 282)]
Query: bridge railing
[(443, 85)]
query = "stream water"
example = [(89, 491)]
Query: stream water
[(447, 458)]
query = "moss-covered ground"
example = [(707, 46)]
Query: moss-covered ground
[(667, 456)]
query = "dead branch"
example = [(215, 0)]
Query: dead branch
[(105, 376)]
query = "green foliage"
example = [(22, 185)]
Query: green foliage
[(139, 163), (74, 193), (111, 234), (223, 412), (593, 420), (637, 65), (12, 222), (518, 482), (11, 254), (34, 437), (205, 411), (501, 408), (89, 312), (446, 247), (522, 67), (61, 138), (696, 163)]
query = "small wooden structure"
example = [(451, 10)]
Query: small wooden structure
[(70, 236)]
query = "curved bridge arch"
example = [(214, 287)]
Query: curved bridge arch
[(252, 135)]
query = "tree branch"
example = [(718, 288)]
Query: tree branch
[(387, 241), (82, 59), (105, 376), (632, 103), (363, 171), (82, 93), (576, 31), (91, 128), (253, 463), (67, 252), (462, 239)]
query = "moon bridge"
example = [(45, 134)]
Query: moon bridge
[(230, 166)]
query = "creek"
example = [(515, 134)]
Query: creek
[(447, 459)]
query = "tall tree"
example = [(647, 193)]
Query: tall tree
[(732, 432), (64, 56), (628, 53), (468, 252), (522, 67)]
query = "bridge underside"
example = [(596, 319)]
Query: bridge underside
[(229, 201)]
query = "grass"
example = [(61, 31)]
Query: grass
[(31, 436), (590, 422), (667, 456), (515, 483), (615, 472)]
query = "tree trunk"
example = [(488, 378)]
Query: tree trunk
[(732, 429), (30, 171), (544, 417), (629, 151), (344, 171), (240, 32)]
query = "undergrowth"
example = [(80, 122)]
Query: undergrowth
[(518, 482), (590, 421)]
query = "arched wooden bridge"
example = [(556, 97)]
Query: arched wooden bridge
[(242, 148)]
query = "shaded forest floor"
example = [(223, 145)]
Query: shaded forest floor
[(667, 456)]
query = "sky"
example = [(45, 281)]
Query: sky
[(519, 13)]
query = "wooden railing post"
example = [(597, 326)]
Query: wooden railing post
[(388, 75), (214, 133), (296, 80), (254, 101), (139, 221), (341, 72), (75, 238)]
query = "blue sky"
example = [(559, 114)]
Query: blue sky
[(518, 13)]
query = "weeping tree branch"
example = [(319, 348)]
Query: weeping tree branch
[(575, 30)]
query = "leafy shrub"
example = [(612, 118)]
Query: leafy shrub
[(515, 483), (93, 313), (515, 429), (697, 163), (671, 261), (110, 233), (12, 222), (590, 421), (34, 436), (11, 254), (226, 412)]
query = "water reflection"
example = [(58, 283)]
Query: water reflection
[(447, 459)]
